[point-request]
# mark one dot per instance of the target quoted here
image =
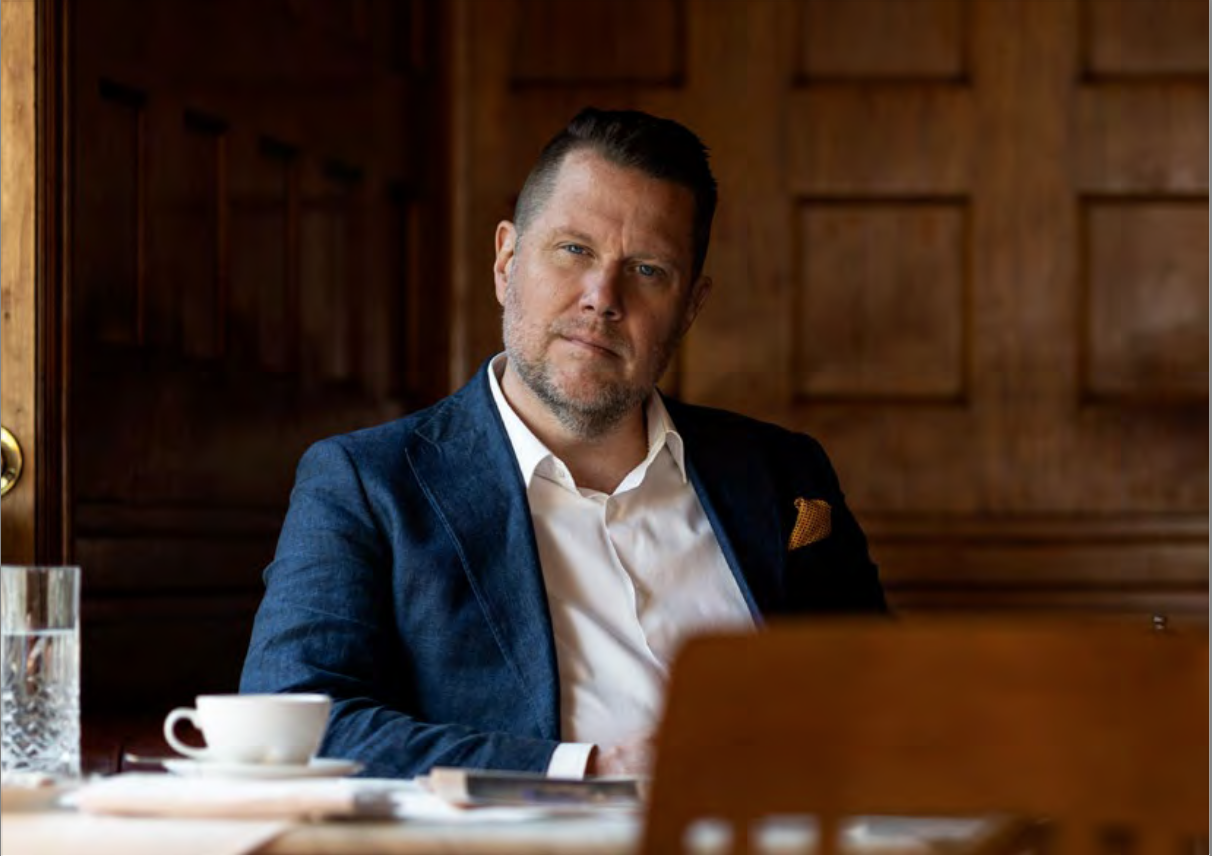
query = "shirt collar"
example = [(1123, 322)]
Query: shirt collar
[(531, 452)]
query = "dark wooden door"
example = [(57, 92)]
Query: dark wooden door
[(254, 263)]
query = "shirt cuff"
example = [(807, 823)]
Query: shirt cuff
[(569, 761)]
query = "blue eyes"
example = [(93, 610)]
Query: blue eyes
[(645, 270)]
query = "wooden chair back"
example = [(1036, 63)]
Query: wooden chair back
[(1098, 727)]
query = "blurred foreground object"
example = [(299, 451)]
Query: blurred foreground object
[(1099, 729)]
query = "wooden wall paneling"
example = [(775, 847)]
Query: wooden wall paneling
[(1024, 235), (325, 241), (316, 271), (1140, 140), (1124, 38), (277, 244), (181, 563), (260, 195), (181, 233), (891, 39), (735, 106), (108, 303), (19, 111), (1143, 137), (483, 118), (1147, 291), (397, 311), (545, 54), (344, 189), (874, 153), (398, 227), (191, 645), (253, 144), (1029, 559), (941, 223), (377, 316), (892, 324), (880, 138)]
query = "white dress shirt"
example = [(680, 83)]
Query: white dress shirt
[(629, 575)]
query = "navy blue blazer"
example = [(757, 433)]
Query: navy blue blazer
[(407, 586)]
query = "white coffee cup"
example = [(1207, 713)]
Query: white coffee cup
[(281, 728)]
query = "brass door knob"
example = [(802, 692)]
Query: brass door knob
[(10, 461)]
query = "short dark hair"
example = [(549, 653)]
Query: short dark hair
[(660, 148)]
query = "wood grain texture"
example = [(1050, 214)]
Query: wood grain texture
[(235, 299), (892, 39), (1125, 38), (18, 267), (915, 139), (891, 323), (1150, 138), (1148, 300), (1024, 718), (635, 42)]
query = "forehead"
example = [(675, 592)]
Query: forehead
[(594, 195)]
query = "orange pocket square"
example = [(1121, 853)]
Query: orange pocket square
[(813, 522)]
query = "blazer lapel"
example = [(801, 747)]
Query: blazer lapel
[(463, 461), (741, 503)]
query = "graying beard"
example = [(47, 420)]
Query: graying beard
[(588, 422)]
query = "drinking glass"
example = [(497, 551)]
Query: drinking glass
[(40, 670)]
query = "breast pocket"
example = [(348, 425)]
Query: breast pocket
[(812, 576)]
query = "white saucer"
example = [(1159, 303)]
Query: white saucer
[(316, 768)]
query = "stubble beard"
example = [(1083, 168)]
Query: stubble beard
[(588, 418)]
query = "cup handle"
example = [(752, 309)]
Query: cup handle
[(170, 728)]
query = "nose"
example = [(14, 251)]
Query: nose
[(602, 292)]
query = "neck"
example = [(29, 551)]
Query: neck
[(600, 462)]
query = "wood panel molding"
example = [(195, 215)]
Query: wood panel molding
[(1146, 139), (839, 138), (1127, 39), (1145, 301), (887, 41), (623, 55), (891, 325)]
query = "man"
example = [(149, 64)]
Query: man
[(502, 580)]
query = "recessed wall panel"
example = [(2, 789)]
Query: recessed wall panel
[(881, 140), (881, 300), (598, 41), (109, 271), (866, 39), (1145, 37), (1147, 292), (1142, 138)]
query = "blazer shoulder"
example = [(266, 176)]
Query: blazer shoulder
[(376, 445), (714, 425)]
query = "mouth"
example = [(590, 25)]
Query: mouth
[(590, 344)]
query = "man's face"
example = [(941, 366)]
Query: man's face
[(598, 292)]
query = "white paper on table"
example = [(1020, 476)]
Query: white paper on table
[(55, 833), (157, 795)]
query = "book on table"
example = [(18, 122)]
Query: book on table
[(462, 786)]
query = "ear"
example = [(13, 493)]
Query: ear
[(698, 296), (506, 244)]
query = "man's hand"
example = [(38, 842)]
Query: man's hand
[(632, 757)]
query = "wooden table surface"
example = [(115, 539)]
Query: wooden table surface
[(579, 835)]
